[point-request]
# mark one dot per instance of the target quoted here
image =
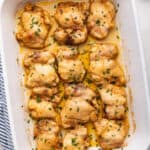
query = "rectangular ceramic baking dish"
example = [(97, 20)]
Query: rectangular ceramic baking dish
[(133, 58)]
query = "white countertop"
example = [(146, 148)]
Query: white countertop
[(143, 10)]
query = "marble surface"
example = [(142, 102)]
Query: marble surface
[(143, 10)]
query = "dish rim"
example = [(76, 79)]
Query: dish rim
[(4, 74)]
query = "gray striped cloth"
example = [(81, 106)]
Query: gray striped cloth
[(5, 133)]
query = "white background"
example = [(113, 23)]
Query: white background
[(143, 10)]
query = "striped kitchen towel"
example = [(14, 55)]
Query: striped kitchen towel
[(5, 132)]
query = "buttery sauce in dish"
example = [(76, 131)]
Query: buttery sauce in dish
[(71, 55)]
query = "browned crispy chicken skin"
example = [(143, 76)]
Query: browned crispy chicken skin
[(71, 18), (41, 74), (114, 98), (46, 134), (78, 103), (104, 67), (111, 133), (39, 108), (76, 139), (40, 56), (51, 94), (34, 27), (101, 18), (70, 67)]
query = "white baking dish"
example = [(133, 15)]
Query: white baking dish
[(133, 59)]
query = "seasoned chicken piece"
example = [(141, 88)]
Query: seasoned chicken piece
[(82, 92), (46, 134), (51, 94), (80, 101), (71, 112), (104, 70), (113, 95), (71, 36), (71, 18), (101, 18), (107, 50), (42, 75), (76, 139), (67, 52), (77, 36), (41, 109), (79, 90), (111, 134), (45, 91), (61, 36), (41, 69), (35, 24), (70, 68), (42, 57), (115, 111), (114, 98), (71, 14)]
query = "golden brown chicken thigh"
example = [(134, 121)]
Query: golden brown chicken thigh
[(115, 99), (113, 95), (79, 103), (115, 111), (46, 134), (51, 94), (40, 65), (71, 113), (41, 74), (101, 18), (82, 92), (76, 139), (70, 67), (42, 57), (106, 50), (71, 18), (103, 69), (34, 27), (39, 108), (111, 134)]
